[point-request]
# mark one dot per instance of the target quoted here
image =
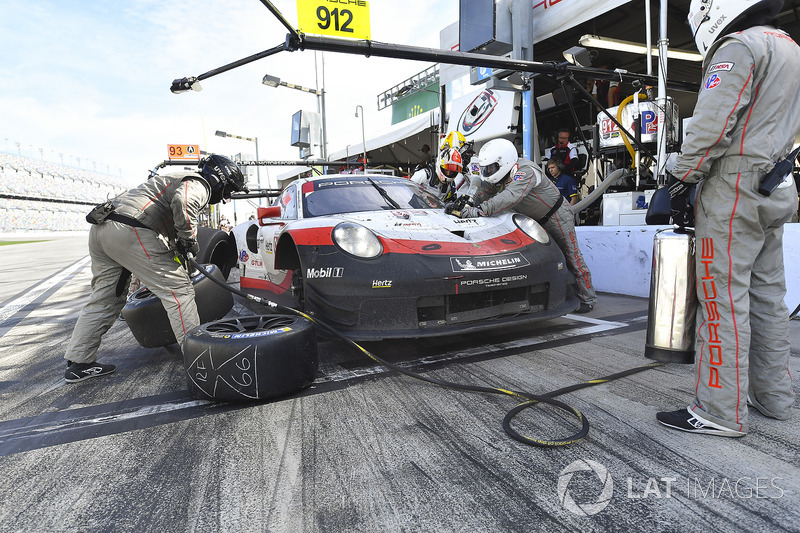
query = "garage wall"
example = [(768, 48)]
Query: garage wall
[(620, 258)]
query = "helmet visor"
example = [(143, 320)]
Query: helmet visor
[(450, 171), (490, 170)]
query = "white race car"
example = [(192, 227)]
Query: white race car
[(377, 257)]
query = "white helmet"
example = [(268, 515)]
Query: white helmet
[(710, 19), (496, 159)]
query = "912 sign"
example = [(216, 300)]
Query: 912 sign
[(340, 18)]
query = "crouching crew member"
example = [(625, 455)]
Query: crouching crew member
[(138, 233)]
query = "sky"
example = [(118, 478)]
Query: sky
[(87, 81)]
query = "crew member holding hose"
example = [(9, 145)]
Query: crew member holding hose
[(746, 117), (511, 182), (138, 232)]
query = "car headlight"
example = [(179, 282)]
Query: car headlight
[(531, 228), (357, 240)]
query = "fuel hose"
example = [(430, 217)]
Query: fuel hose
[(527, 399)]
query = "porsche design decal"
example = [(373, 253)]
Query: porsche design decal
[(493, 282), (488, 264)]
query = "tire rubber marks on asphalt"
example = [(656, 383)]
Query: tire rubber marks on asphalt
[(593, 326)]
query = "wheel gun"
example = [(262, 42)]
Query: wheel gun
[(454, 208)]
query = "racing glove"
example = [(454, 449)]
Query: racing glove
[(679, 206), (188, 246), (469, 211)]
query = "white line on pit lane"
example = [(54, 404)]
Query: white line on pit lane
[(11, 308), (595, 326), (50, 427)]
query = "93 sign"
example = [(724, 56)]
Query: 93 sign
[(340, 18), (183, 151)]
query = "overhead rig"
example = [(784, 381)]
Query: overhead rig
[(299, 41)]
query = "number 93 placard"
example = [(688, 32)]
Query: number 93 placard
[(340, 18)]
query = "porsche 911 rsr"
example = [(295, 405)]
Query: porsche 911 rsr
[(376, 257)]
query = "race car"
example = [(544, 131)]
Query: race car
[(377, 257)]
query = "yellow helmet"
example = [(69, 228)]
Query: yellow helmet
[(454, 139)]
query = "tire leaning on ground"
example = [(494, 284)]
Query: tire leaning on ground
[(216, 248), (250, 358), (145, 315)]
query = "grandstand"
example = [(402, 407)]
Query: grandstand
[(45, 196)]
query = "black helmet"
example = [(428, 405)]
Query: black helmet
[(223, 176)]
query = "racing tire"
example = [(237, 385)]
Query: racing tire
[(147, 319), (216, 248), (250, 358)]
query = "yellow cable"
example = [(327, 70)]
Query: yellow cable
[(626, 101)]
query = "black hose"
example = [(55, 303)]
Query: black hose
[(528, 399)]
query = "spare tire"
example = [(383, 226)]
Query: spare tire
[(250, 358), (217, 248), (147, 319)]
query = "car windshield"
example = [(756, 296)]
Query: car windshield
[(350, 194)]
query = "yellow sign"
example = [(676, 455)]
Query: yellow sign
[(184, 151), (340, 18)]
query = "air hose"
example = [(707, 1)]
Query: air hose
[(622, 131), (527, 399)]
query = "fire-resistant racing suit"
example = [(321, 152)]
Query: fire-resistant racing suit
[(155, 214), (746, 117), (526, 190)]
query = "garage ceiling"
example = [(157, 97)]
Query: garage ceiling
[(628, 23)]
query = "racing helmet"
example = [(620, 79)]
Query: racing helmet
[(711, 19), (223, 177), (454, 139), (450, 164), (496, 159)]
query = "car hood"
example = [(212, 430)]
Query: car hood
[(432, 225)]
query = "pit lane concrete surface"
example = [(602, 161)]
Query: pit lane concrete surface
[(365, 448)]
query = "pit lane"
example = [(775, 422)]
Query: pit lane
[(363, 448)]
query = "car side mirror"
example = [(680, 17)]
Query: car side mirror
[(268, 212)]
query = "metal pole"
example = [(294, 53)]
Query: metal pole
[(663, 42), (258, 171), (321, 104), (396, 51), (363, 137), (648, 38), (324, 124), (521, 19)]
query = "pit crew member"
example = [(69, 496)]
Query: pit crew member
[(137, 233)]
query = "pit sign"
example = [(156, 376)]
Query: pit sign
[(338, 18), (180, 152)]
